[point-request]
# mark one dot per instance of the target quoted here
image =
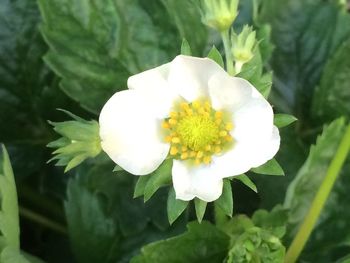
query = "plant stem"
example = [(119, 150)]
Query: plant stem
[(225, 35), (42, 220), (320, 199)]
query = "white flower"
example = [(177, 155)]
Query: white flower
[(211, 124)]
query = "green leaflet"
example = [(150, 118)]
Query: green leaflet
[(200, 207), (271, 167), (332, 96), (225, 201), (303, 188), (283, 120), (175, 207), (215, 55), (201, 243)]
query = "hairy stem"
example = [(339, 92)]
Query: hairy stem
[(320, 199)]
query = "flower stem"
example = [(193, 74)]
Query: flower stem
[(225, 35), (320, 199)]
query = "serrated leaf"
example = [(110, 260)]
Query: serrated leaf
[(247, 182), (310, 176), (271, 167), (159, 178), (175, 207), (215, 55), (201, 243), (225, 201), (9, 219), (283, 120), (200, 207), (185, 48), (332, 96)]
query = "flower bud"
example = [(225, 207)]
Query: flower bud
[(219, 14), (80, 140), (243, 46)]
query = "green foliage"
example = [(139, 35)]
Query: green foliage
[(332, 97), (271, 167), (215, 55), (80, 140), (185, 48), (225, 201), (201, 243), (247, 182), (200, 207), (303, 188), (175, 207)]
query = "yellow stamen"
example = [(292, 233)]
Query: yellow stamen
[(175, 140), (173, 150)]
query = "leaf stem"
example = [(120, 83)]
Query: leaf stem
[(225, 35), (320, 199), (42, 220)]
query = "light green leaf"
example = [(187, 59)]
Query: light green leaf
[(201, 243), (215, 55), (283, 120), (200, 207), (303, 188), (185, 48), (12, 255), (225, 202), (9, 220), (175, 207), (271, 167), (247, 182), (159, 178)]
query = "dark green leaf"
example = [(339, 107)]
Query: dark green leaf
[(283, 120), (140, 185), (175, 207), (246, 181), (200, 207), (305, 185), (332, 97), (159, 178), (225, 202), (215, 55), (201, 243), (185, 48), (271, 167)]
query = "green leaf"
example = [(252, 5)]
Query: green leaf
[(159, 178), (89, 69), (303, 188), (225, 201), (186, 16), (9, 220), (246, 181), (201, 243), (283, 120), (12, 255), (141, 185), (200, 207), (215, 55), (185, 48), (271, 167), (175, 207), (303, 43), (332, 96)]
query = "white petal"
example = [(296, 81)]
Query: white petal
[(228, 92), (130, 133), (153, 87), (190, 76), (190, 182)]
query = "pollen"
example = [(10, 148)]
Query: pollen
[(196, 132)]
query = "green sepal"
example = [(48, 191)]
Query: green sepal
[(225, 202), (271, 167), (200, 207), (215, 55), (159, 178), (175, 207), (185, 48), (283, 120), (140, 185), (247, 182)]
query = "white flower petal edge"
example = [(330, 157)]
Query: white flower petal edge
[(189, 76), (130, 133), (198, 182)]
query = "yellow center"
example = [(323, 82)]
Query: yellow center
[(196, 132)]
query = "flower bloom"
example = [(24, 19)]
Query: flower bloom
[(211, 124)]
